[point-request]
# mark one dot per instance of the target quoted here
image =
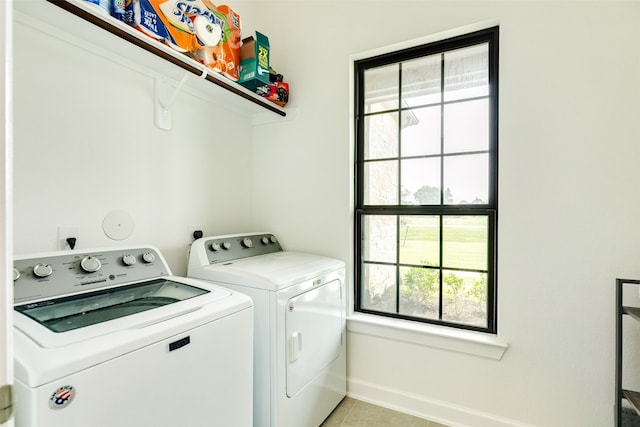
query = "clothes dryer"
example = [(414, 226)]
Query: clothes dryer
[(299, 343)]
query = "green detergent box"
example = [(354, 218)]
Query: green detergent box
[(254, 61)]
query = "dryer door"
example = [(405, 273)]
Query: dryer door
[(314, 333)]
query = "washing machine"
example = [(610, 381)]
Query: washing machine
[(109, 337), (299, 301)]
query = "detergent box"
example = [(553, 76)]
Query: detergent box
[(254, 61), (276, 92)]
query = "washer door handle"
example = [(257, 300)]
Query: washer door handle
[(295, 346), (162, 319)]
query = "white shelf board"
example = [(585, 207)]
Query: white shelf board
[(44, 16)]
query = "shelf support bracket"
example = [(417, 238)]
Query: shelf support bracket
[(164, 99)]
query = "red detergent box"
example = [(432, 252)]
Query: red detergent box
[(277, 92)]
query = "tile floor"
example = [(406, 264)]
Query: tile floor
[(355, 413)]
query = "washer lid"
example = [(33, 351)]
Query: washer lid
[(78, 311), (270, 272), (70, 319)]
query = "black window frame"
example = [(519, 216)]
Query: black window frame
[(490, 36)]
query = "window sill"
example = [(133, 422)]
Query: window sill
[(461, 341)]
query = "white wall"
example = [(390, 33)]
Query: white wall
[(568, 182), (568, 198), (85, 145)]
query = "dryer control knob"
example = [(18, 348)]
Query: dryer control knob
[(16, 274), (265, 240), (247, 242), (148, 257), (273, 239), (226, 245), (90, 264), (128, 259), (215, 246), (42, 270)]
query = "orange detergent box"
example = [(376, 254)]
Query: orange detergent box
[(224, 56)]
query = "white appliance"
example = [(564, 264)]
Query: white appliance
[(108, 337), (300, 358)]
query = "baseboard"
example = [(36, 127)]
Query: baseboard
[(431, 409)]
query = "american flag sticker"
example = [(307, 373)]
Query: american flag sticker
[(62, 397)]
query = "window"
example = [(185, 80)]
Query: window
[(426, 182)]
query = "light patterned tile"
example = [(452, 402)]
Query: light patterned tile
[(367, 415), (339, 414), (346, 405), (355, 413), (332, 422)]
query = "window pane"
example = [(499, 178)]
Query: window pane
[(419, 292), (421, 181), (381, 136), (464, 297), (379, 288), (420, 240), (421, 81), (381, 88), (421, 131), (380, 238), (381, 183), (465, 241), (466, 126), (466, 178), (466, 72)]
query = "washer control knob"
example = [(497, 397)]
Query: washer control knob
[(90, 264), (247, 242), (273, 239), (226, 245), (148, 257), (42, 270), (128, 259), (265, 240), (16, 274), (215, 246)]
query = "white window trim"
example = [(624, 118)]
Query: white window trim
[(441, 337), (423, 40)]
